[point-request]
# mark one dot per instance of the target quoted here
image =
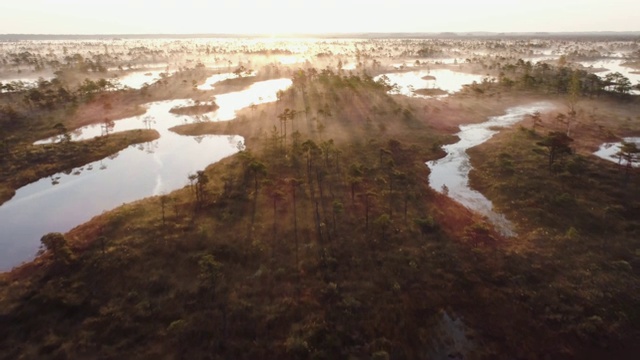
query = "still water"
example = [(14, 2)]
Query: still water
[(451, 173), (137, 79), (609, 151), (613, 66), (59, 203), (443, 79)]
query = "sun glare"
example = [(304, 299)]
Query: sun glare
[(279, 18)]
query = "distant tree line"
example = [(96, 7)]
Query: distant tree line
[(559, 79)]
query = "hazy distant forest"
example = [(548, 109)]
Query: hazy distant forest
[(445, 197)]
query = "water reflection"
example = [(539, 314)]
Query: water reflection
[(609, 151), (212, 80), (22, 83), (443, 79), (59, 202), (613, 66), (138, 79), (451, 174)]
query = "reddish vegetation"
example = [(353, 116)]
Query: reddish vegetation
[(322, 239)]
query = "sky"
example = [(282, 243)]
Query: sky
[(281, 17)]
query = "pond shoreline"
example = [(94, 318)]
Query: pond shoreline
[(137, 172)]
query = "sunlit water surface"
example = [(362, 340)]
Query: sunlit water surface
[(138, 79), (214, 79), (443, 79), (64, 200), (609, 151), (613, 66), (27, 81), (451, 173)]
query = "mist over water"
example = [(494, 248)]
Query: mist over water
[(137, 79), (443, 79), (614, 66)]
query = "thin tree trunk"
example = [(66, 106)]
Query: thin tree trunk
[(295, 225), (391, 196), (275, 201)]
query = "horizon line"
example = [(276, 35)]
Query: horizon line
[(325, 34)]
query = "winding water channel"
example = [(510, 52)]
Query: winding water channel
[(59, 203), (67, 199), (451, 174)]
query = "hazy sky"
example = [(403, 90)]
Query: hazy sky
[(286, 16)]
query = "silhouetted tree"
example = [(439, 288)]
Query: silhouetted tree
[(286, 115), (558, 144), (295, 183), (257, 168), (198, 182), (536, 120), (618, 83), (62, 132), (276, 193), (367, 207), (56, 243), (630, 154)]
